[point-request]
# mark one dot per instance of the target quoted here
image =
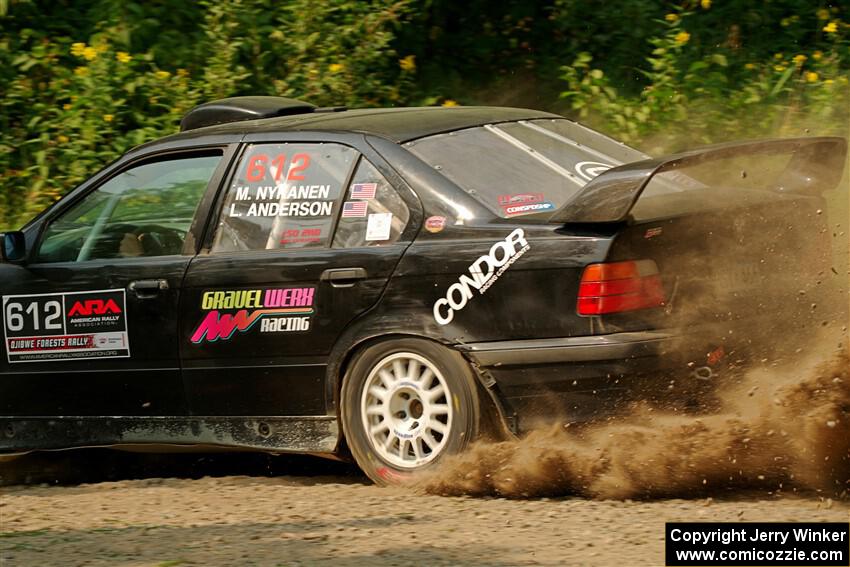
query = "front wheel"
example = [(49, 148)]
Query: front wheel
[(405, 405)]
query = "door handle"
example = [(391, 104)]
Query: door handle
[(343, 277), (146, 289)]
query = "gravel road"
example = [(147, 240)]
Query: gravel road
[(344, 520), (792, 442)]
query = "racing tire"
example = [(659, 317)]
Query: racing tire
[(406, 404)]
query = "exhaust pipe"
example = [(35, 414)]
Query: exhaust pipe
[(703, 373)]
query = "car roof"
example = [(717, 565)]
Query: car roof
[(396, 124)]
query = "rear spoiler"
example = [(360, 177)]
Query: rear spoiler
[(816, 165)]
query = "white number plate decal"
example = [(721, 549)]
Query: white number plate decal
[(66, 326)]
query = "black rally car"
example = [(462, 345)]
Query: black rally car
[(389, 282)]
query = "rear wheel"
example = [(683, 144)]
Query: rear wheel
[(406, 404)]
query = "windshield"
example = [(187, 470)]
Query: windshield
[(523, 168)]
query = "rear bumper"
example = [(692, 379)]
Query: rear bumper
[(580, 378), (599, 348)]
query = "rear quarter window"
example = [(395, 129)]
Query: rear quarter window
[(374, 214)]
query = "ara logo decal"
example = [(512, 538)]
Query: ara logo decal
[(94, 307), (591, 169)]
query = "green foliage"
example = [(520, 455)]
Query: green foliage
[(73, 108), (82, 81), (692, 94), (75, 97)]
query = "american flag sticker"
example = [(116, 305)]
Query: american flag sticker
[(364, 190), (354, 209)]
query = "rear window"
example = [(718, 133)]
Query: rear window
[(523, 168)]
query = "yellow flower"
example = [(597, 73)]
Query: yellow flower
[(799, 59), (823, 14), (108, 117), (77, 48), (777, 56), (408, 63), (682, 37), (162, 74), (831, 27), (66, 106), (450, 102), (101, 47), (811, 77), (784, 22), (90, 53), (750, 66), (335, 67), (817, 55), (62, 139), (182, 73), (706, 4), (81, 71), (828, 82), (123, 57), (779, 68), (672, 17)]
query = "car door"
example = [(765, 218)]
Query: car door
[(90, 323), (307, 237)]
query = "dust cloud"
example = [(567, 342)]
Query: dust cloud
[(780, 422), (780, 430)]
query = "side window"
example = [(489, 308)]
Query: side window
[(284, 196), (145, 211), (373, 213)]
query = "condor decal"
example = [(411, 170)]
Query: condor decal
[(66, 326), (483, 273), (277, 310)]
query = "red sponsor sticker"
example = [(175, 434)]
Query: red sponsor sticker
[(435, 224), (523, 204), (515, 199), (305, 235)]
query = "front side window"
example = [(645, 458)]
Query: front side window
[(284, 196), (145, 211)]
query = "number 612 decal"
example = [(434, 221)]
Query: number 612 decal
[(47, 317), (256, 170)]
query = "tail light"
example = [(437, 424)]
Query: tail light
[(619, 286)]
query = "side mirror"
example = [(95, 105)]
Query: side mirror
[(14, 247)]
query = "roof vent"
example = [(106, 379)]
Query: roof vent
[(240, 108)]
